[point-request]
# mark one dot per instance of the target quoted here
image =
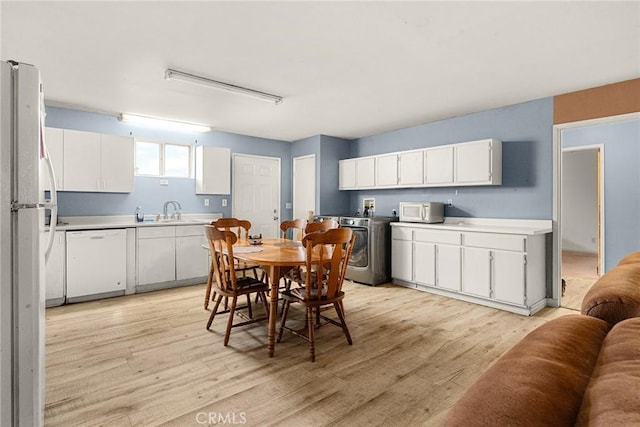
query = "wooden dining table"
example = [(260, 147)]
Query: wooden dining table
[(277, 257)]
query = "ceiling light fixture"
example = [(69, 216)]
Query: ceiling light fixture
[(164, 124), (203, 81)]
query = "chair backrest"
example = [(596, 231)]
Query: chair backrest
[(329, 262), (221, 248), (315, 227), (297, 225), (239, 226)]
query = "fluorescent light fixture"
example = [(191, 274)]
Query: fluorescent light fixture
[(203, 81), (164, 124)]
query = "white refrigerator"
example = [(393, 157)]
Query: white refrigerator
[(22, 258)]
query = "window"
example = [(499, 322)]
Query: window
[(163, 159)]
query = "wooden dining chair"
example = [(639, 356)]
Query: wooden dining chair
[(328, 255), (296, 225), (228, 284), (241, 228), (295, 274)]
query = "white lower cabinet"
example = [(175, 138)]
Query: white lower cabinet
[(505, 271), (156, 255), (170, 256), (191, 258), (55, 269)]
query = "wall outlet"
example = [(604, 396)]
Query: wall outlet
[(288, 205), (450, 202), (224, 203), (206, 202), (164, 182)]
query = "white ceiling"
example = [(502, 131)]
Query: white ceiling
[(346, 69)]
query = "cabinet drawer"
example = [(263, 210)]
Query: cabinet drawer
[(189, 230), (401, 233), (507, 242), (156, 232), (437, 236)]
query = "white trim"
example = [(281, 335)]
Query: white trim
[(554, 301)]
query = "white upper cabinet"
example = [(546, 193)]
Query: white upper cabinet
[(438, 163), (479, 162), (466, 163), (117, 168), (411, 167), (54, 139), (96, 162), (81, 161), (213, 170), (357, 173), (387, 170)]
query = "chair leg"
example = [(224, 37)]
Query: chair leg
[(249, 309), (214, 311), (312, 339), (317, 316), (343, 323), (264, 302), (234, 301), (285, 311), (208, 291)]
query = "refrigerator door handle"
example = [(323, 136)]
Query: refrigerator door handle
[(53, 202)]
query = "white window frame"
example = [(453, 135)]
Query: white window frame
[(162, 145)]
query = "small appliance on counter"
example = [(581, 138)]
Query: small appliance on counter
[(427, 212)]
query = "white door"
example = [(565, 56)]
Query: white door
[(256, 193), (410, 171), (448, 267), (439, 165), (304, 186), (387, 170), (402, 260), (509, 277), (424, 263), (476, 272)]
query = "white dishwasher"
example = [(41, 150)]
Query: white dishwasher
[(96, 263)]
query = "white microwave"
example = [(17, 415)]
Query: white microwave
[(428, 212)]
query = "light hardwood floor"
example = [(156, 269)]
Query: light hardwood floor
[(147, 360), (579, 270)]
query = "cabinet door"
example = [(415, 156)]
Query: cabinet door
[(54, 140), (347, 174), (191, 258), (448, 267), (476, 272), (438, 165), (509, 276), (213, 170), (387, 170), (410, 169), (156, 260), (81, 161), (366, 172), (424, 263), (55, 269), (117, 168), (473, 162), (402, 260)]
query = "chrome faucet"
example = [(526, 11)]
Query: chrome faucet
[(177, 214)]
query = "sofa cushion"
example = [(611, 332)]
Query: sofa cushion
[(538, 382), (612, 397), (632, 258), (616, 295)]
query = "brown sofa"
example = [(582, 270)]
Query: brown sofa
[(581, 369)]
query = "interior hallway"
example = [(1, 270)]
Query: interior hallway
[(579, 270)]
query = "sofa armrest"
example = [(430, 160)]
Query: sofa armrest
[(538, 382), (616, 295)]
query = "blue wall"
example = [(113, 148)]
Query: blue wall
[(147, 190), (527, 153), (621, 182)]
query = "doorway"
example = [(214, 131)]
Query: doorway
[(256, 193), (304, 186), (582, 219)]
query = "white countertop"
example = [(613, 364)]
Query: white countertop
[(128, 221), (486, 225)]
